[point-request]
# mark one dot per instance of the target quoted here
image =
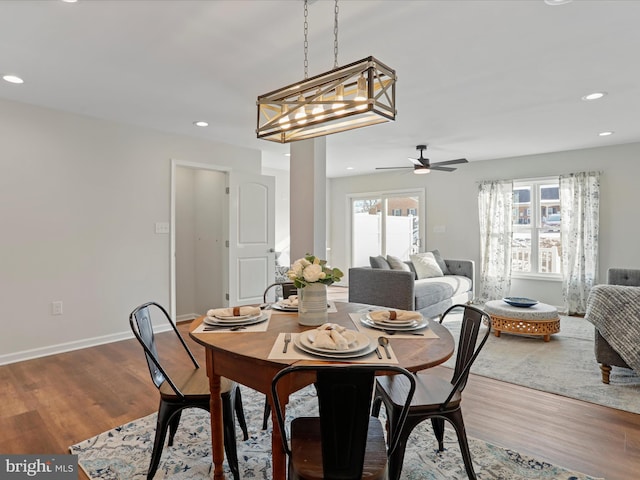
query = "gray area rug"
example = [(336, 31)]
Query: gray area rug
[(565, 365), (124, 452)]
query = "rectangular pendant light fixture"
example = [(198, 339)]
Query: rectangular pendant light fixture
[(357, 95)]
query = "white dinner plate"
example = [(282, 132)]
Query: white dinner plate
[(394, 323), (232, 323), (303, 345), (360, 342), (367, 322), (284, 307)]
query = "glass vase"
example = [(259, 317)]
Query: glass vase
[(312, 304)]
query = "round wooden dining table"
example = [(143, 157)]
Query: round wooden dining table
[(244, 358)]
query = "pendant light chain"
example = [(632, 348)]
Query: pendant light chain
[(306, 41), (335, 37)]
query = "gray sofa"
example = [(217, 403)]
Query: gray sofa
[(401, 290)]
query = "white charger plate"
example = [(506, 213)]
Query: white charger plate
[(232, 323), (304, 345), (284, 308), (360, 342), (394, 323), (367, 322)]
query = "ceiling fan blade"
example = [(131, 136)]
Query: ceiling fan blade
[(444, 169), (390, 168), (452, 162), (423, 162)]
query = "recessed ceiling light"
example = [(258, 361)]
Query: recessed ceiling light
[(605, 134), (201, 124), (594, 96), (12, 79), (557, 2), (349, 168), (69, 1), (287, 154)]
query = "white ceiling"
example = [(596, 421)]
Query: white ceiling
[(476, 79)]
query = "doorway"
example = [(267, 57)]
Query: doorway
[(199, 233)]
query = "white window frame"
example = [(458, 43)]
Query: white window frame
[(535, 227)]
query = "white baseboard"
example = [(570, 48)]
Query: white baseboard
[(70, 346), (186, 317)]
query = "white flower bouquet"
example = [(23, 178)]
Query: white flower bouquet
[(311, 269)]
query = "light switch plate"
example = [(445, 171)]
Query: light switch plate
[(162, 227)]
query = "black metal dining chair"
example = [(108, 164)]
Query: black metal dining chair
[(185, 387), (435, 398), (284, 289), (344, 442)]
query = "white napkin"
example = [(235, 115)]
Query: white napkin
[(394, 315), (292, 301), (332, 336), (233, 311)]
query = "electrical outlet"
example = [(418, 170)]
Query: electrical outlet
[(56, 308), (162, 227)]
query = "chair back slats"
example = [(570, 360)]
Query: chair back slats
[(344, 400), (142, 327), (345, 393), (286, 288), (146, 337), (468, 347)]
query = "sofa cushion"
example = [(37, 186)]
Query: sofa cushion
[(441, 262), (429, 291), (397, 264), (425, 265), (379, 262)]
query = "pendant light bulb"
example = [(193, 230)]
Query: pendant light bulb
[(301, 114), (318, 110), (284, 121), (339, 106), (361, 93)]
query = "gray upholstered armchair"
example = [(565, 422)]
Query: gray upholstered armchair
[(614, 309)]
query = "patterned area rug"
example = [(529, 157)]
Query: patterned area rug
[(124, 452), (565, 365)]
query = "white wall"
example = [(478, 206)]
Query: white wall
[(451, 202), (79, 198)]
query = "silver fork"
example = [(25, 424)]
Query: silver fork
[(287, 340)]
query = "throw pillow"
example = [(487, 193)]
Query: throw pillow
[(426, 265), (379, 262), (441, 263), (397, 264)]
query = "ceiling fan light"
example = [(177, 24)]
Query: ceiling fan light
[(421, 170)]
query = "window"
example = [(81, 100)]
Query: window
[(536, 243), (379, 226)]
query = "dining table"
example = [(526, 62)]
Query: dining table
[(252, 356)]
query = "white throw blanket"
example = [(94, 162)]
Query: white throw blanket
[(615, 312)]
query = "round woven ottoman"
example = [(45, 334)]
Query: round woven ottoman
[(539, 319)]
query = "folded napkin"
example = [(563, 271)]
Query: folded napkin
[(394, 315), (292, 301), (332, 336), (233, 311)]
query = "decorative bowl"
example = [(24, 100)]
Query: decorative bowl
[(520, 301)]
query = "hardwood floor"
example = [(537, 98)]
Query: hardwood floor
[(50, 403)]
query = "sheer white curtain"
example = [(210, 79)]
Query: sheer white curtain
[(495, 205), (580, 213)]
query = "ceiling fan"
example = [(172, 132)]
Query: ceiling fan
[(422, 165)]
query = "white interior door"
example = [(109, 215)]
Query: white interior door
[(251, 236)]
